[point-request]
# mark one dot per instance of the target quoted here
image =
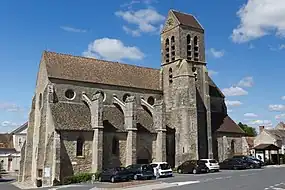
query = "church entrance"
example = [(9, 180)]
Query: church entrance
[(143, 156)]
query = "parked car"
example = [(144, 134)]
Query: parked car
[(161, 169), (193, 166), (233, 163), (251, 163), (211, 164), (115, 174), (141, 171)]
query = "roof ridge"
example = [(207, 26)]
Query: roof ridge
[(182, 12), (101, 60)]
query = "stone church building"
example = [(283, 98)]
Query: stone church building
[(89, 114)]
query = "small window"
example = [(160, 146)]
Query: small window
[(40, 100), (79, 147), (102, 93), (125, 97), (70, 94), (40, 173), (170, 76), (167, 50), (150, 100)]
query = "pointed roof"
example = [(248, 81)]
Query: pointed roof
[(76, 68), (20, 129), (187, 20), (229, 126)]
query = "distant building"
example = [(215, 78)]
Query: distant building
[(10, 148)]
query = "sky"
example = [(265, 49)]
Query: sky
[(244, 47)]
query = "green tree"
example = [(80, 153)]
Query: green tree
[(250, 131)]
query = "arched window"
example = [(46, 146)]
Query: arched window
[(115, 146), (172, 48), (233, 147), (189, 48), (167, 50), (170, 76), (79, 146), (196, 49)]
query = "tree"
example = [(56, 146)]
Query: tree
[(250, 131)]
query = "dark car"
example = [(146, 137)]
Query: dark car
[(193, 166), (141, 171), (115, 174), (251, 162), (233, 164)]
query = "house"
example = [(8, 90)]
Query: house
[(89, 114), (10, 148)]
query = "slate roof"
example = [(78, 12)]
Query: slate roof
[(278, 134), (69, 67), (6, 141), (21, 128), (187, 20), (229, 126), (215, 89)]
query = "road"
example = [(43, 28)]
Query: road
[(259, 179)]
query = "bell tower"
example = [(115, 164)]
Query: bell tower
[(185, 86)]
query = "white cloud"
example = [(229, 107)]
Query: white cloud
[(233, 103), (9, 124), (283, 98), (134, 33), (230, 111), (260, 122), (280, 116), (259, 18), (250, 115), (71, 29), (112, 49), (145, 20), (217, 53), (10, 107), (212, 73), (234, 91), (276, 107), (246, 82)]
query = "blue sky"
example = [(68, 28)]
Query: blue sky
[(244, 44)]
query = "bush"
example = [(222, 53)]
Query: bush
[(77, 178)]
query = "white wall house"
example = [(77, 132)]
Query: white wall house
[(10, 148)]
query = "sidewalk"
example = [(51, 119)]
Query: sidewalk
[(275, 166)]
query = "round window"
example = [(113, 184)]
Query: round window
[(102, 93), (150, 100), (125, 97), (70, 94)]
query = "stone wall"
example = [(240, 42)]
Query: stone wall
[(71, 163)]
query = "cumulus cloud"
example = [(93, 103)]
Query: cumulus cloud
[(234, 103), (144, 20), (10, 107), (212, 73), (250, 115), (113, 50), (217, 53), (9, 124), (276, 107), (261, 122), (72, 29), (234, 91), (246, 82), (259, 18), (280, 116)]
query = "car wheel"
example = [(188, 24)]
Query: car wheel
[(194, 171), (179, 171), (135, 177), (112, 179), (207, 170), (235, 168)]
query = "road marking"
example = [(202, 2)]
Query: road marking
[(185, 183), (218, 178), (208, 179)]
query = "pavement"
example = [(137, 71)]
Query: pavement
[(269, 178)]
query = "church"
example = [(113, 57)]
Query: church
[(89, 114)]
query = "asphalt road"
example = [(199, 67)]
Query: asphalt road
[(258, 179)]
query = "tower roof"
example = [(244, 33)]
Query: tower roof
[(187, 20)]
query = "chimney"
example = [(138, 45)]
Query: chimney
[(261, 128)]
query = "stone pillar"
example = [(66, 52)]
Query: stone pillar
[(159, 124), (225, 148), (131, 127), (56, 166), (97, 125)]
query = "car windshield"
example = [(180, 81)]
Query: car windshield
[(164, 166), (212, 161), (146, 167)]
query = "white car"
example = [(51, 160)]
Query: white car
[(161, 169), (211, 164)]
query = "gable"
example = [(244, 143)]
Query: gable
[(170, 22), (264, 138), (75, 68)]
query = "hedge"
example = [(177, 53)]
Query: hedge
[(79, 178)]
